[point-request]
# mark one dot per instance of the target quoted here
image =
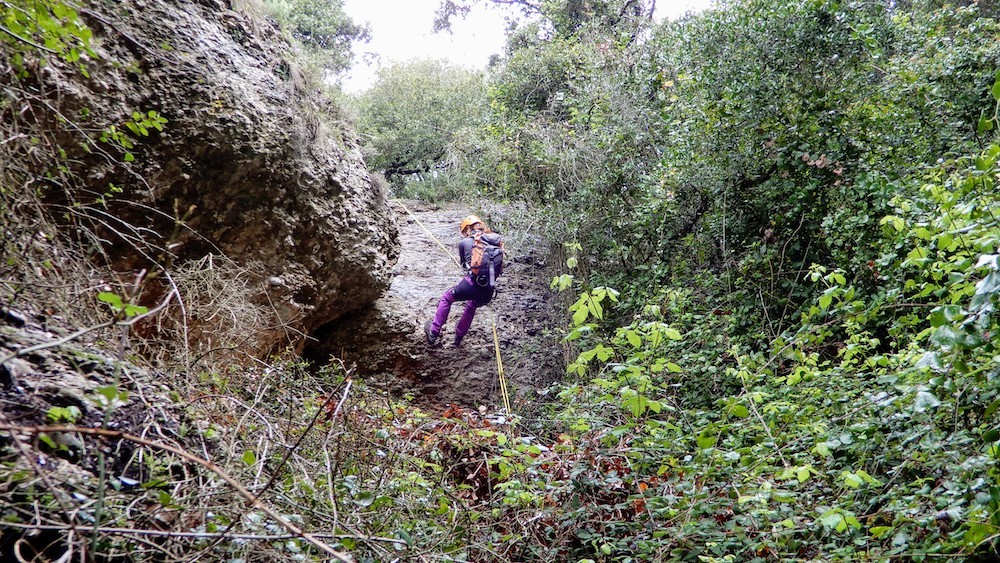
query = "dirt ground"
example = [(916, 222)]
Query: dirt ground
[(386, 342)]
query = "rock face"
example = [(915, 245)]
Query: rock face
[(250, 163), (386, 341)]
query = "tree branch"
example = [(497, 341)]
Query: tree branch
[(250, 497)]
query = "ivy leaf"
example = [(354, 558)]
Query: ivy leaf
[(48, 441), (897, 223), (985, 124), (945, 314), (135, 310), (925, 401), (595, 308), (832, 519)]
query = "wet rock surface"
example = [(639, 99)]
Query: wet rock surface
[(386, 341), (252, 163)]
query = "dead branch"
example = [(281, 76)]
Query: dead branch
[(250, 497)]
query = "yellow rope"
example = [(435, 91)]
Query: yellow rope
[(500, 376), (496, 338), (430, 234)]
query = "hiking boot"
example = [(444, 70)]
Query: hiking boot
[(431, 337), (457, 343)]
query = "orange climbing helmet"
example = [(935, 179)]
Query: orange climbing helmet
[(470, 221)]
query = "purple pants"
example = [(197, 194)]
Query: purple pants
[(473, 295)]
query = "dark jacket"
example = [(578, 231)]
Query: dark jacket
[(465, 251)]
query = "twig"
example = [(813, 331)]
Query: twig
[(28, 41), (250, 497), (82, 331), (198, 535)]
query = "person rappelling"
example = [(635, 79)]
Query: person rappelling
[(481, 252)]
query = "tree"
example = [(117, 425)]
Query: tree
[(565, 15), (413, 111), (323, 28)]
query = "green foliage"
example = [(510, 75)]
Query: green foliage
[(433, 186), (119, 307), (802, 360), (323, 28), (139, 125), (58, 415), (32, 31), (410, 116), (798, 204), (836, 441)]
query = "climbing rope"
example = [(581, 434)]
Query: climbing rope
[(500, 376), (429, 233), (496, 338)]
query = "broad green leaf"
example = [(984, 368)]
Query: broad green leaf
[(595, 308), (925, 401), (867, 477), (879, 531), (633, 338), (985, 124), (851, 480), (945, 315), (991, 409), (249, 457), (832, 519), (739, 411), (112, 299), (48, 441), (896, 222)]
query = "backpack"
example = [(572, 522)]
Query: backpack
[(486, 263)]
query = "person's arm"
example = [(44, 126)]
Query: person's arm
[(464, 253)]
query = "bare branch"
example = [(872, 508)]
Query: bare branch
[(250, 497)]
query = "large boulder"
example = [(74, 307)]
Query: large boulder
[(252, 162)]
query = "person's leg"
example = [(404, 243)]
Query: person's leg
[(443, 308), (464, 323)]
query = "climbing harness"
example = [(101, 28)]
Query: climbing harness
[(496, 338)]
